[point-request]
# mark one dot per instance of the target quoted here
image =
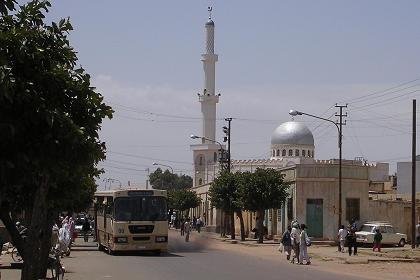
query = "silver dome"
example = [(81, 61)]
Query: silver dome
[(210, 22), (292, 133)]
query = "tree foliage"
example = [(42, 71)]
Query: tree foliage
[(224, 192), (50, 116), (183, 199), (166, 180), (263, 189)]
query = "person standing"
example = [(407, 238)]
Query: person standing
[(187, 228), (303, 250), (199, 224), (418, 234), (377, 238), (295, 240), (342, 234), (286, 240), (182, 226), (194, 221), (85, 229), (351, 238)]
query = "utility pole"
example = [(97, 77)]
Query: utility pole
[(227, 131), (340, 174), (413, 180)]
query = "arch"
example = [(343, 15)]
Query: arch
[(278, 152), (297, 152), (304, 153), (283, 153), (290, 153)]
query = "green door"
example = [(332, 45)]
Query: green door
[(314, 217)]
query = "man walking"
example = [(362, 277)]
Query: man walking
[(295, 238), (418, 234), (187, 228), (86, 229), (342, 234)]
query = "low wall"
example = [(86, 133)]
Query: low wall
[(398, 213)]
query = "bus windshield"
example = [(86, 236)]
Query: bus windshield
[(140, 208)]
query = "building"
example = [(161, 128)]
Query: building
[(404, 177), (313, 195)]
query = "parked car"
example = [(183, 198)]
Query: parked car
[(389, 236)]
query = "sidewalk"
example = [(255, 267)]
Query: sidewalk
[(323, 251)]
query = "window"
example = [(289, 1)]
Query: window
[(290, 152), (309, 153), (215, 157), (274, 153), (200, 181), (201, 160), (283, 153), (312, 153), (304, 153), (140, 208), (296, 152), (278, 152), (352, 209), (279, 215)]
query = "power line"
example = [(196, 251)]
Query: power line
[(149, 158)]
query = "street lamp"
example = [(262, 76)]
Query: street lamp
[(192, 136), (172, 170), (340, 137)]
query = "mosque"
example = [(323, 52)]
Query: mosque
[(313, 196)]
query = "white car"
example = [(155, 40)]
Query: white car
[(389, 236)]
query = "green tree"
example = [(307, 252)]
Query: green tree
[(50, 116), (263, 189), (183, 200), (224, 194), (165, 180)]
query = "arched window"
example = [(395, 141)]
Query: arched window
[(215, 156), (200, 181), (273, 153), (283, 153), (304, 153), (309, 153), (200, 160), (290, 152), (278, 152), (313, 152), (297, 152)]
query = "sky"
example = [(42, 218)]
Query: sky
[(144, 58)]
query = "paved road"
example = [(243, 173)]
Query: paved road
[(200, 259)]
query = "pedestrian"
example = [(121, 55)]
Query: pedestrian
[(187, 228), (418, 234), (295, 240), (199, 224), (86, 229), (351, 238), (342, 235), (73, 234), (304, 243), (286, 240), (194, 223), (377, 238), (182, 226)]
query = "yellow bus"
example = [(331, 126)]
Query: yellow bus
[(131, 220)]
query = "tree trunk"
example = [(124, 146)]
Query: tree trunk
[(46, 246), (241, 220), (260, 225), (232, 225), (31, 265), (222, 224), (10, 225)]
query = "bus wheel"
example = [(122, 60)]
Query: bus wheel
[(101, 247), (157, 253)]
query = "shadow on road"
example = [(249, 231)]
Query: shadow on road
[(196, 244)]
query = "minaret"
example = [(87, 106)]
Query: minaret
[(206, 154), (208, 98)]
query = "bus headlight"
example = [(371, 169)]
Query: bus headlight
[(161, 239), (121, 240)]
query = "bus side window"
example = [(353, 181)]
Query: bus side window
[(100, 206), (109, 206)]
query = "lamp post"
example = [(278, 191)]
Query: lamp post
[(340, 137), (172, 170)]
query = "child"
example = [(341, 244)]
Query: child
[(377, 238), (342, 234)]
